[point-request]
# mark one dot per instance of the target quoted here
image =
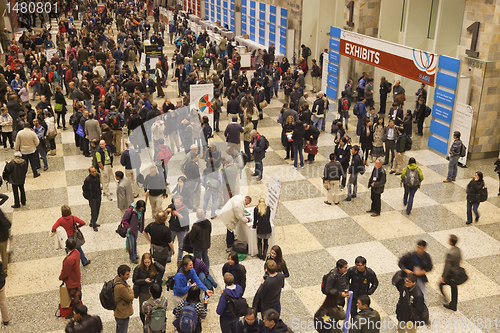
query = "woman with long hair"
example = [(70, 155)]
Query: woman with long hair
[(144, 276), (326, 319), (261, 222), (159, 80), (298, 135), (60, 108), (234, 267), (378, 144), (193, 299), (277, 256), (251, 111), (366, 138), (287, 136)]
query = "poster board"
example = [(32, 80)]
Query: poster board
[(273, 195), (202, 98), (50, 52), (462, 122)]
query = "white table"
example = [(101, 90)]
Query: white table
[(245, 233)]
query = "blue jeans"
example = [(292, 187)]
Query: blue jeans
[(297, 150), (133, 251), (43, 155), (122, 325), (208, 281), (36, 88), (214, 194), (83, 259), (180, 238), (228, 325), (472, 206), (88, 105), (259, 168), (408, 197), (452, 167), (318, 122), (203, 255), (274, 87)]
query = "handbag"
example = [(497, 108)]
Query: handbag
[(289, 136), (52, 134), (78, 235), (263, 104), (159, 252), (121, 230), (240, 247), (459, 277), (135, 288), (32, 83), (58, 107), (64, 298), (311, 149)]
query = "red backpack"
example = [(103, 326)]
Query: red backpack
[(345, 104), (51, 76)]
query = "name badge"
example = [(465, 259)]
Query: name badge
[(374, 179), (340, 156), (108, 159)]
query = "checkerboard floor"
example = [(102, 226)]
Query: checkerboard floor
[(312, 236)]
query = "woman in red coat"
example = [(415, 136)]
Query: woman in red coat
[(70, 273), (68, 222)]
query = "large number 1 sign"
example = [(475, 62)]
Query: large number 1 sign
[(474, 29)]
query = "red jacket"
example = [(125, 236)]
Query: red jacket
[(67, 223), (70, 272), (68, 77)]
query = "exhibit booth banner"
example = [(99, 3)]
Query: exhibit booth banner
[(412, 63), (462, 122), (202, 97)]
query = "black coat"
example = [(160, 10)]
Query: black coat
[(298, 134), (239, 272), (379, 183), (199, 236), (89, 324), (409, 298), (366, 139), (472, 188), (140, 276), (409, 261), (92, 187), (16, 171), (343, 155), (357, 283), (4, 229), (262, 222)]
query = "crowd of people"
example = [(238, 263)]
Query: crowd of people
[(114, 117)]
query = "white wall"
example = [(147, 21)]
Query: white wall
[(449, 27)]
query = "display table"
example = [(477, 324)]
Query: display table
[(251, 46), (194, 18), (243, 232)]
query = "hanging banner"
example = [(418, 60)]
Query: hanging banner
[(412, 63), (202, 98), (273, 196), (462, 122)]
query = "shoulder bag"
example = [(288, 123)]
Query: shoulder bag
[(78, 235)]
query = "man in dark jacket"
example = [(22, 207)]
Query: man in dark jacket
[(451, 268), (343, 153), (331, 180), (154, 188), (82, 322), (251, 324), (233, 106), (273, 323), (337, 280), (199, 237), (419, 263), (232, 134), (15, 173), (376, 183), (311, 136), (367, 320), (410, 310), (259, 153), (92, 192), (354, 169), (178, 224), (362, 280)]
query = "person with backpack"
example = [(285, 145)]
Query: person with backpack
[(360, 111), (402, 145), (411, 310), (185, 278), (144, 277), (326, 319), (250, 323), (115, 121), (237, 270), (473, 196), (357, 167), (190, 311), (155, 311), (412, 178), (457, 150), (344, 106), (421, 114), (336, 279), (123, 298), (231, 304), (259, 145), (82, 322)]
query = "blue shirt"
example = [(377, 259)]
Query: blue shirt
[(40, 131)]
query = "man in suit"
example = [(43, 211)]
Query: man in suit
[(124, 192), (376, 183), (389, 137), (396, 114), (229, 75), (451, 266)]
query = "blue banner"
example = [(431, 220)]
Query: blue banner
[(283, 49), (332, 81), (283, 42), (334, 44), (443, 130), (444, 97), (446, 80), (252, 12), (330, 92), (438, 144), (284, 12), (262, 15), (262, 33), (335, 32), (262, 24), (272, 38), (272, 9), (449, 64), (442, 113), (252, 29), (252, 36), (282, 31), (272, 18), (252, 4), (272, 28), (262, 41), (333, 69), (262, 6), (284, 22), (243, 28), (333, 57), (252, 21), (347, 313), (243, 11)]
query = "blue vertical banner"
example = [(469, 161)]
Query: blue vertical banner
[(444, 103), (333, 64)]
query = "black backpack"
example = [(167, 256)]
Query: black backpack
[(408, 143), (325, 279), (244, 158), (170, 283), (236, 307), (107, 295), (266, 143), (115, 121), (72, 119)]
